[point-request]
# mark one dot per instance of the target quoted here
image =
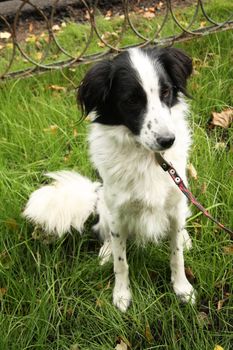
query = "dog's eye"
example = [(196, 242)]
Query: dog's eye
[(165, 93), (131, 100)]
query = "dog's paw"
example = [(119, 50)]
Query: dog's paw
[(105, 253), (185, 292), (187, 242), (122, 298)]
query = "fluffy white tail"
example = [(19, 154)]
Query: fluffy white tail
[(67, 202)]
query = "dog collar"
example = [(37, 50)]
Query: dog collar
[(180, 183)]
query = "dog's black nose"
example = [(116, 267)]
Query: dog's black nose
[(166, 141)]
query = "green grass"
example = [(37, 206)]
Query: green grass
[(56, 296)]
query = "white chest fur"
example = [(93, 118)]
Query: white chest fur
[(135, 187)]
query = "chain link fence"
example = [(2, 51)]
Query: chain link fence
[(190, 19)]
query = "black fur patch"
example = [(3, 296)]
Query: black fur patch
[(112, 88)]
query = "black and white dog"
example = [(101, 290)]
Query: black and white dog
[(136, 102)]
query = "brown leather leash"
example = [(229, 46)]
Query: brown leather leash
[(179, 182)]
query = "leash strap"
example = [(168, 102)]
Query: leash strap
[(179, 182)]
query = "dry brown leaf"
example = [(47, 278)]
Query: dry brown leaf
[(148, 334), (5, 35), (99, 302), (56, 28), (138, 10), (203, 188), (148, 15), (189, 274), (109, 13), (223, 119), (220, 304), (228, 250), (70, 312), (67, 158), (159, 6), (192, 171), (121, 346), (203, 318), (87, 15), (108, 285), (38, 45), (31, 27), (151, 9), (195, 85), (3, 291), (12, 224), (75, 132), (100, 286)]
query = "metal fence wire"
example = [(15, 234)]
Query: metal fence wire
[(45, 51)]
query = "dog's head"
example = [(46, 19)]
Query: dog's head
[(138, 89)]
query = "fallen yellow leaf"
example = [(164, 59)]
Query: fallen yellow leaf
[(99, 302), (57, 88), (220, 146), (192, 171), (202, 24), (228, 250), (121, 346), (220, 304), (39, 55), (3, 291), (75, 132), (52, 129), (148, 334), (101, 44), (9, 45), (218, 347), (203, 187), (31, 39)]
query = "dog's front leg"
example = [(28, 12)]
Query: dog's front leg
[(121, 292), (181, 285)]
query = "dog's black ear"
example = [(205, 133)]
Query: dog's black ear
[(177, 65), (95, 86)]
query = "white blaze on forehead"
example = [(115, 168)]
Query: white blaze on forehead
[(146, 70), (157, 122)]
